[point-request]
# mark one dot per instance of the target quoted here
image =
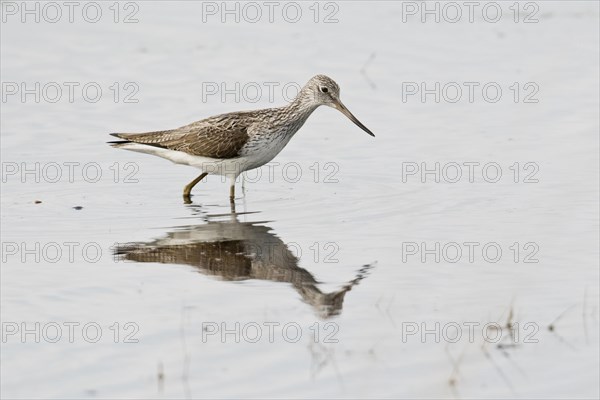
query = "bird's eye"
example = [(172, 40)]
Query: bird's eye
[(324, 89)]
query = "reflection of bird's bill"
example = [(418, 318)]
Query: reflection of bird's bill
[(342, 108)]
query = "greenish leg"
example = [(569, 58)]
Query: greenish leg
[(188, 188)]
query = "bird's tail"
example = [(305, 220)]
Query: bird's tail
[(119, 143)]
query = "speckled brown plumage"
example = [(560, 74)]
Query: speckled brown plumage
[(204, 138), (229, 144)]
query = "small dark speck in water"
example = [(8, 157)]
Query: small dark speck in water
[(160, 376), (37, 201), (77, 208)]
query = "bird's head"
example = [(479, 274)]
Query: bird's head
[(323, 91)]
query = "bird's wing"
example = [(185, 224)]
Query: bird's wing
[(199, 139)]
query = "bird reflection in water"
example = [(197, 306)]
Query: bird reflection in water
[(234, 250)]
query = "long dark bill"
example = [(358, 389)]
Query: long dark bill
[(347, 113)]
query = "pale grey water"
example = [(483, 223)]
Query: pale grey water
[(365, 220)]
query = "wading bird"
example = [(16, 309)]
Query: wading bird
[(229, 144)]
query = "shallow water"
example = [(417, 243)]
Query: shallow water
[(326, 280)]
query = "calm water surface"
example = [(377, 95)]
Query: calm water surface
[(345, 270)]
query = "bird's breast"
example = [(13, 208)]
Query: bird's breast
[(267, 144)]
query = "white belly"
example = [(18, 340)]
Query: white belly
[(258, 151), (231, 167)]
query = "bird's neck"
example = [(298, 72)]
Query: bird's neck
[(301, 107)]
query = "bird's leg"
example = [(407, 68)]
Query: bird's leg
[(244, 185), (232, 190), (232, 193), (188, 188)]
